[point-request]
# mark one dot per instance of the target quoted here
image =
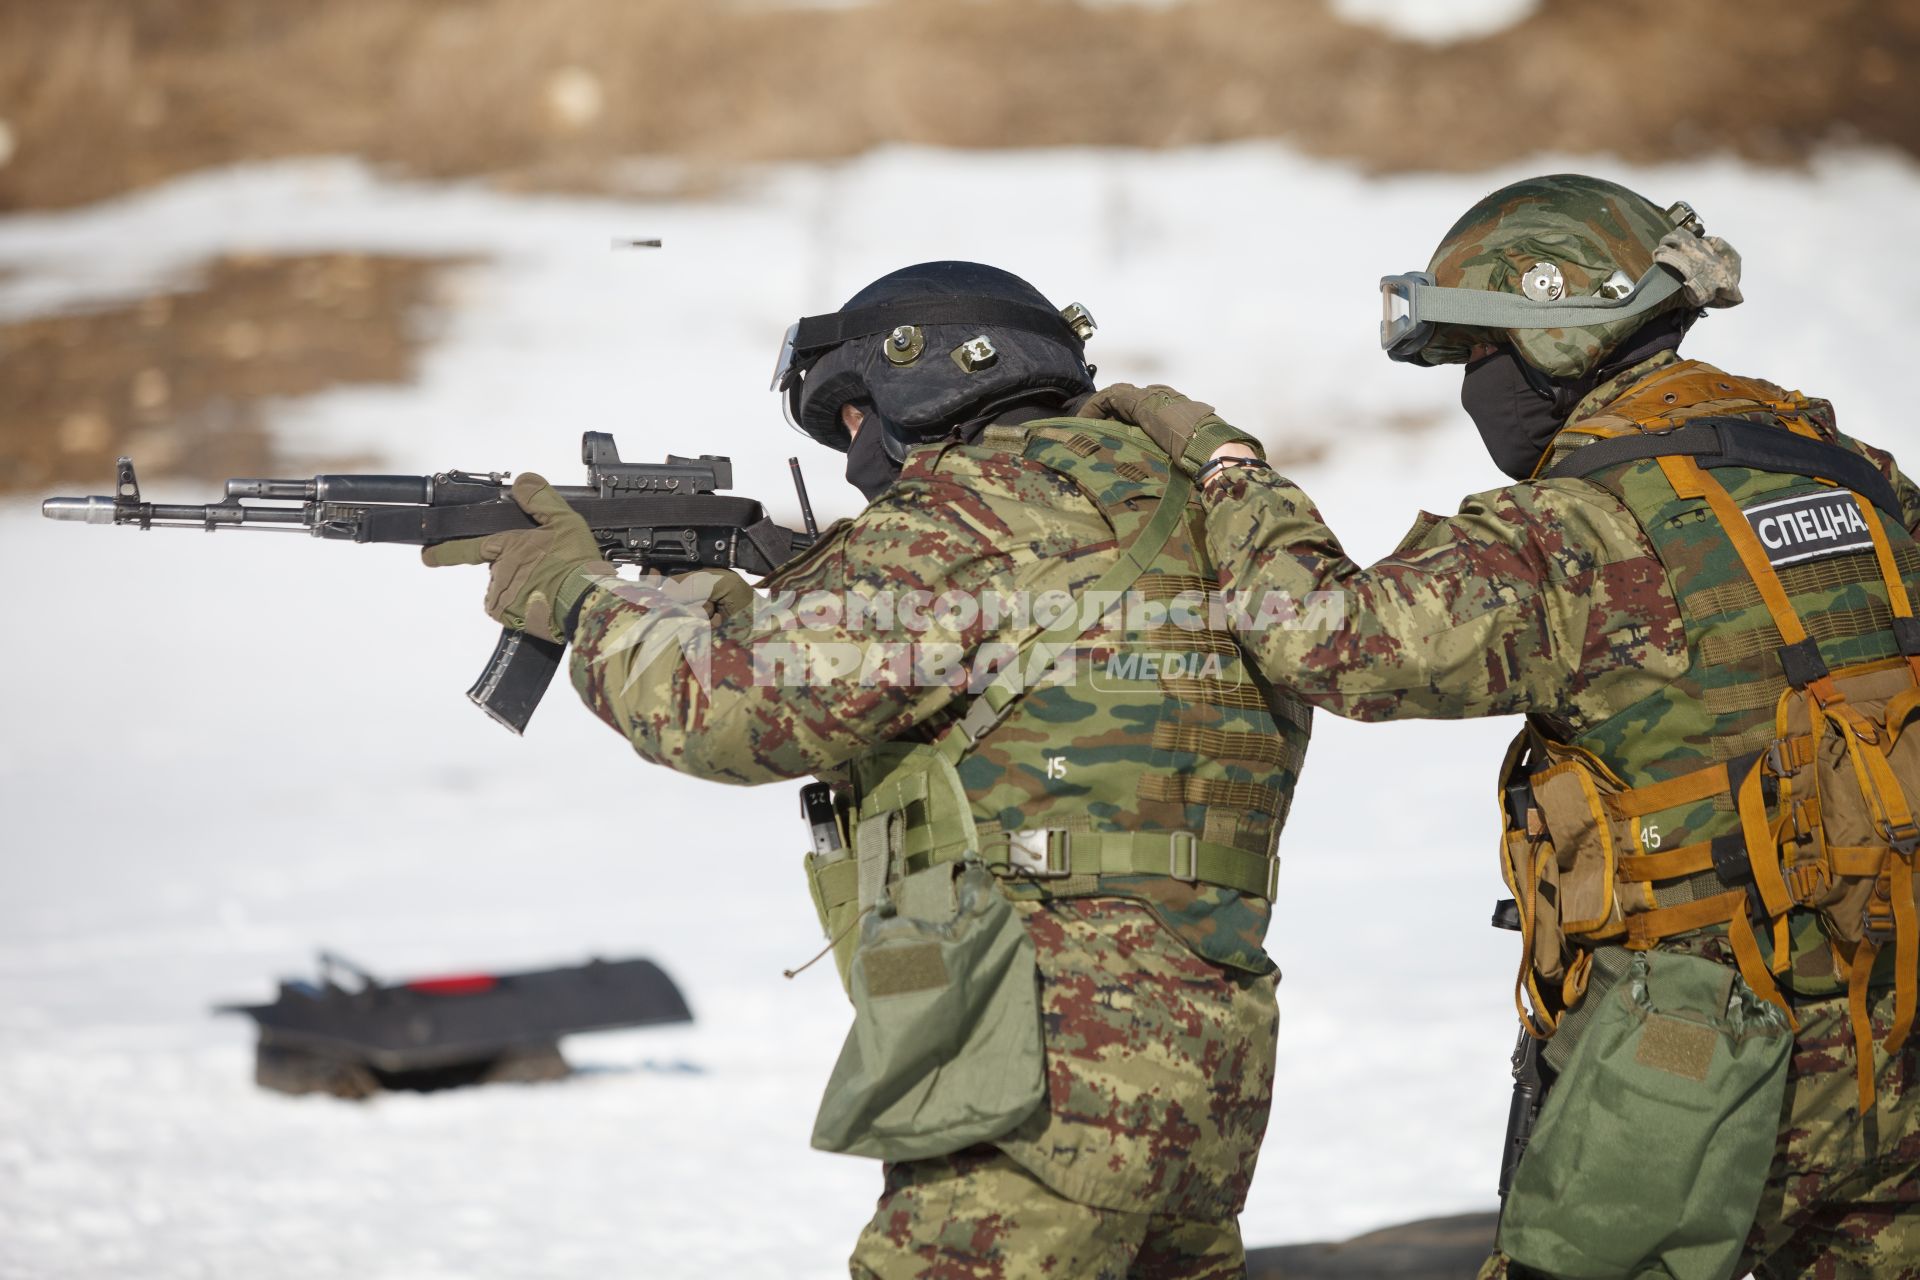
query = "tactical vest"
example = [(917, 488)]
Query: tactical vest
[(1765, 801), (1159, 769)]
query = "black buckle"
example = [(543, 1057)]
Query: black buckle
[(1735, 870), (1802, 663), (1904, 838), (1730, 861), (1906, 633), (1878, 927)]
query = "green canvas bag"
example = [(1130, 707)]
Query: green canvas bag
[(1653, 1148), (945, 1049)]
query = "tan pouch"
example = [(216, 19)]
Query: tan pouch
[(1559, 860), (1586, 840), (1840, 815)]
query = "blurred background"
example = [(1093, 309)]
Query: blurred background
[(267, 237)]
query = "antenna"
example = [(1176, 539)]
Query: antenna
[(800, 487)]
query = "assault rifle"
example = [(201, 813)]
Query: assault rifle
[(666, 517)]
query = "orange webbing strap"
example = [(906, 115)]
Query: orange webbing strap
[(1890, 574), (1753, 967), (1687, 860), (1906, 952), (1690, 480), (1763, 844), (1730, 909), (1897, 878), (1700, 784), (1858, 968)]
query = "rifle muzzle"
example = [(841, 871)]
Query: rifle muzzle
[(94, 510)]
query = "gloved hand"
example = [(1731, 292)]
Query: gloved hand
[(1188, 430), (538, 574)]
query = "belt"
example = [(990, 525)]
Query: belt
[(1050, 853)]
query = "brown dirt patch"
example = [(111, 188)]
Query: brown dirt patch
[(181, 380), (103, 96)]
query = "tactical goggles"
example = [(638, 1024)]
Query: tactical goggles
[(1412, 306)]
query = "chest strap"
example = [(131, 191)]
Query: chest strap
[(1714, 443), (1046, 854), (1041, 649)]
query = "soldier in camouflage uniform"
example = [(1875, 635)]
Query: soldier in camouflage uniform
[(1127, 799), (1700, 594)]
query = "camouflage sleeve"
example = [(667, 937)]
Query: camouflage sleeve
[(1903, 488), (1542, 598), (708, 678)]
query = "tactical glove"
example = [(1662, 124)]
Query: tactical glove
[(538, 574), (1187, 430)]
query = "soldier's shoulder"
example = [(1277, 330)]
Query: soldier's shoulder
[(955, 501), (988, 472), (1566, 510)]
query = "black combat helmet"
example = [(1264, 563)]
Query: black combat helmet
[(929, 349)]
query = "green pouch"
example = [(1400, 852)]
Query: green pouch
[(1653, 1147), (945, 1049)]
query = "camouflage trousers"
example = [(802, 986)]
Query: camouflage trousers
[(1159, 1065), (978, 1215), (1159, 1079), (1842, 1201)]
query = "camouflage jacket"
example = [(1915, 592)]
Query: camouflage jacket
[(1543, 598), (711, 680)]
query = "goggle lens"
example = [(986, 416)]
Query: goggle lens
[(1402, 333), (783, 367)]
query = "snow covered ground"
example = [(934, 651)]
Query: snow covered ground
[(220, 753)]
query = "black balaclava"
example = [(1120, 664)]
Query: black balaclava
[(1519, 410), (869, 467), (1516, 420)]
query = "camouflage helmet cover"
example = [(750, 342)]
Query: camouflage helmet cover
[(1586, 227)]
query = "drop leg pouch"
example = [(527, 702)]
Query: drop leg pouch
[(945, 1049), (1653, 1147)]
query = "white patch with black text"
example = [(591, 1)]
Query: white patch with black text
[(1810, 526)]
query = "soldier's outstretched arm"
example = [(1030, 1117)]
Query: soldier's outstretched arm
[(1541, 598), (710, 679)]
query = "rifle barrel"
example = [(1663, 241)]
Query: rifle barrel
[(104, 510)]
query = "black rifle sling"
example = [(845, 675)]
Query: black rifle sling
[(1736, 442)]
